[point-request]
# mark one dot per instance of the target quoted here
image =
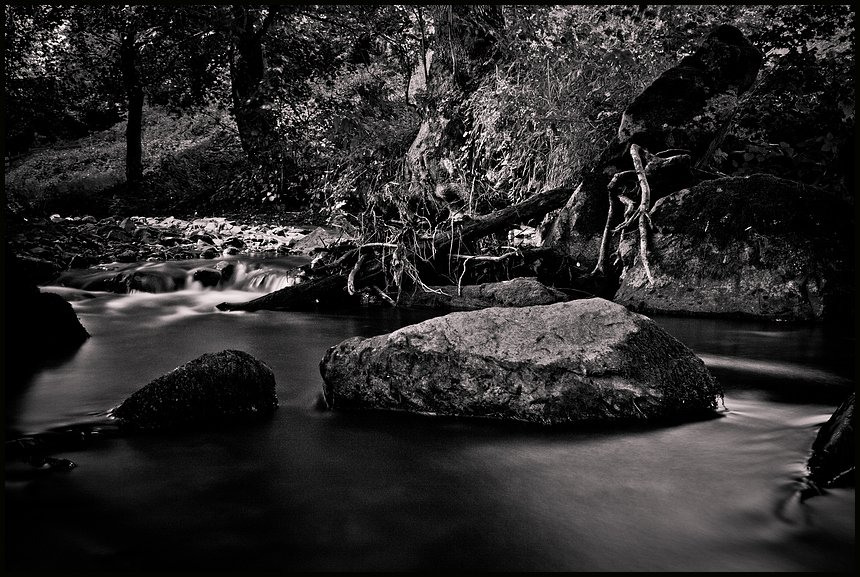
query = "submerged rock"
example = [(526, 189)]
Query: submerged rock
[(213, 388), (39, 325), (833, 452), (584, 360)]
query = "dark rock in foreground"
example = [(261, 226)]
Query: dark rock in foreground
[(584, 360), (213, 388), (39, 325), (755, 247), (833, 452)]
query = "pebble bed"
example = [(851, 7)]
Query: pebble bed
[(55, 244)]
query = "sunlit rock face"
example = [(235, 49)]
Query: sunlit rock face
[(754, 247), (583, 360), (213, 388)]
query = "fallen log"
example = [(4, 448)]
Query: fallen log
[(324, 290), (333, 286), (479, 227)]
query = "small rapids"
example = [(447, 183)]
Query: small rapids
[(255, 275)]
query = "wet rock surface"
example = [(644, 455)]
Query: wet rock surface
[(578, 361), (213, 388)]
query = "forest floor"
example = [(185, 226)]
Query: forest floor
[(67, 205)]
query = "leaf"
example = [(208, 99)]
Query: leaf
[(827, 146)]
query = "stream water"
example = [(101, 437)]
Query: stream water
[(314, 490)]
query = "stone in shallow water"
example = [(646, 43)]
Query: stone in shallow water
[(585, 360), (213, 388)]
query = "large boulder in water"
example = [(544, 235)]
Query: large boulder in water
[(583, 360), (833, 452), (755, 247), (213, 388)]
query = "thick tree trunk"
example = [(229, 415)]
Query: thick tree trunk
[(333, 287), (134, 94), (256, 124), (464, 50)]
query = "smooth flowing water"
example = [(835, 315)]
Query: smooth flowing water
[(315, 490)]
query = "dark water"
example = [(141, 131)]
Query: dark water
[(315, 490)]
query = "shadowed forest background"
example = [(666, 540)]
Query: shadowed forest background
[(265, 109)]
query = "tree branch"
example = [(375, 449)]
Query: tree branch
[(274, 9)]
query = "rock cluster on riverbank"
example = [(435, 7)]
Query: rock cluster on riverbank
[(48, 246)]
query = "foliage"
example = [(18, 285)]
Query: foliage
[(336, 83), (188, 157), (50, 95), (799, 123), (555, 101), (540, 88)]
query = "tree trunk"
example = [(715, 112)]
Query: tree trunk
[(134, 94), (479, 227), (256, 124), (464, 49)]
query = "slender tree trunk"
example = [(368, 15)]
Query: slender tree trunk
[(134, 94), (256, 124)]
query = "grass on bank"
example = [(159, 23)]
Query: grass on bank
[(186, 160)]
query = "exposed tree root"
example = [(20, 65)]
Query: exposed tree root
[(332, 282), (640, 213)]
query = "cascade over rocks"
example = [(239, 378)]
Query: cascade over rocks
[(213, 388), (584, 360), (756, 246), (688, 107), (47, 247)]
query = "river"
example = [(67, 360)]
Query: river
[(315, 490)]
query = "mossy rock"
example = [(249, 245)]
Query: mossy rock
[(754, 247), (214, 388)]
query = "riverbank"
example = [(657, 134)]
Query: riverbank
[(49, 245)]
